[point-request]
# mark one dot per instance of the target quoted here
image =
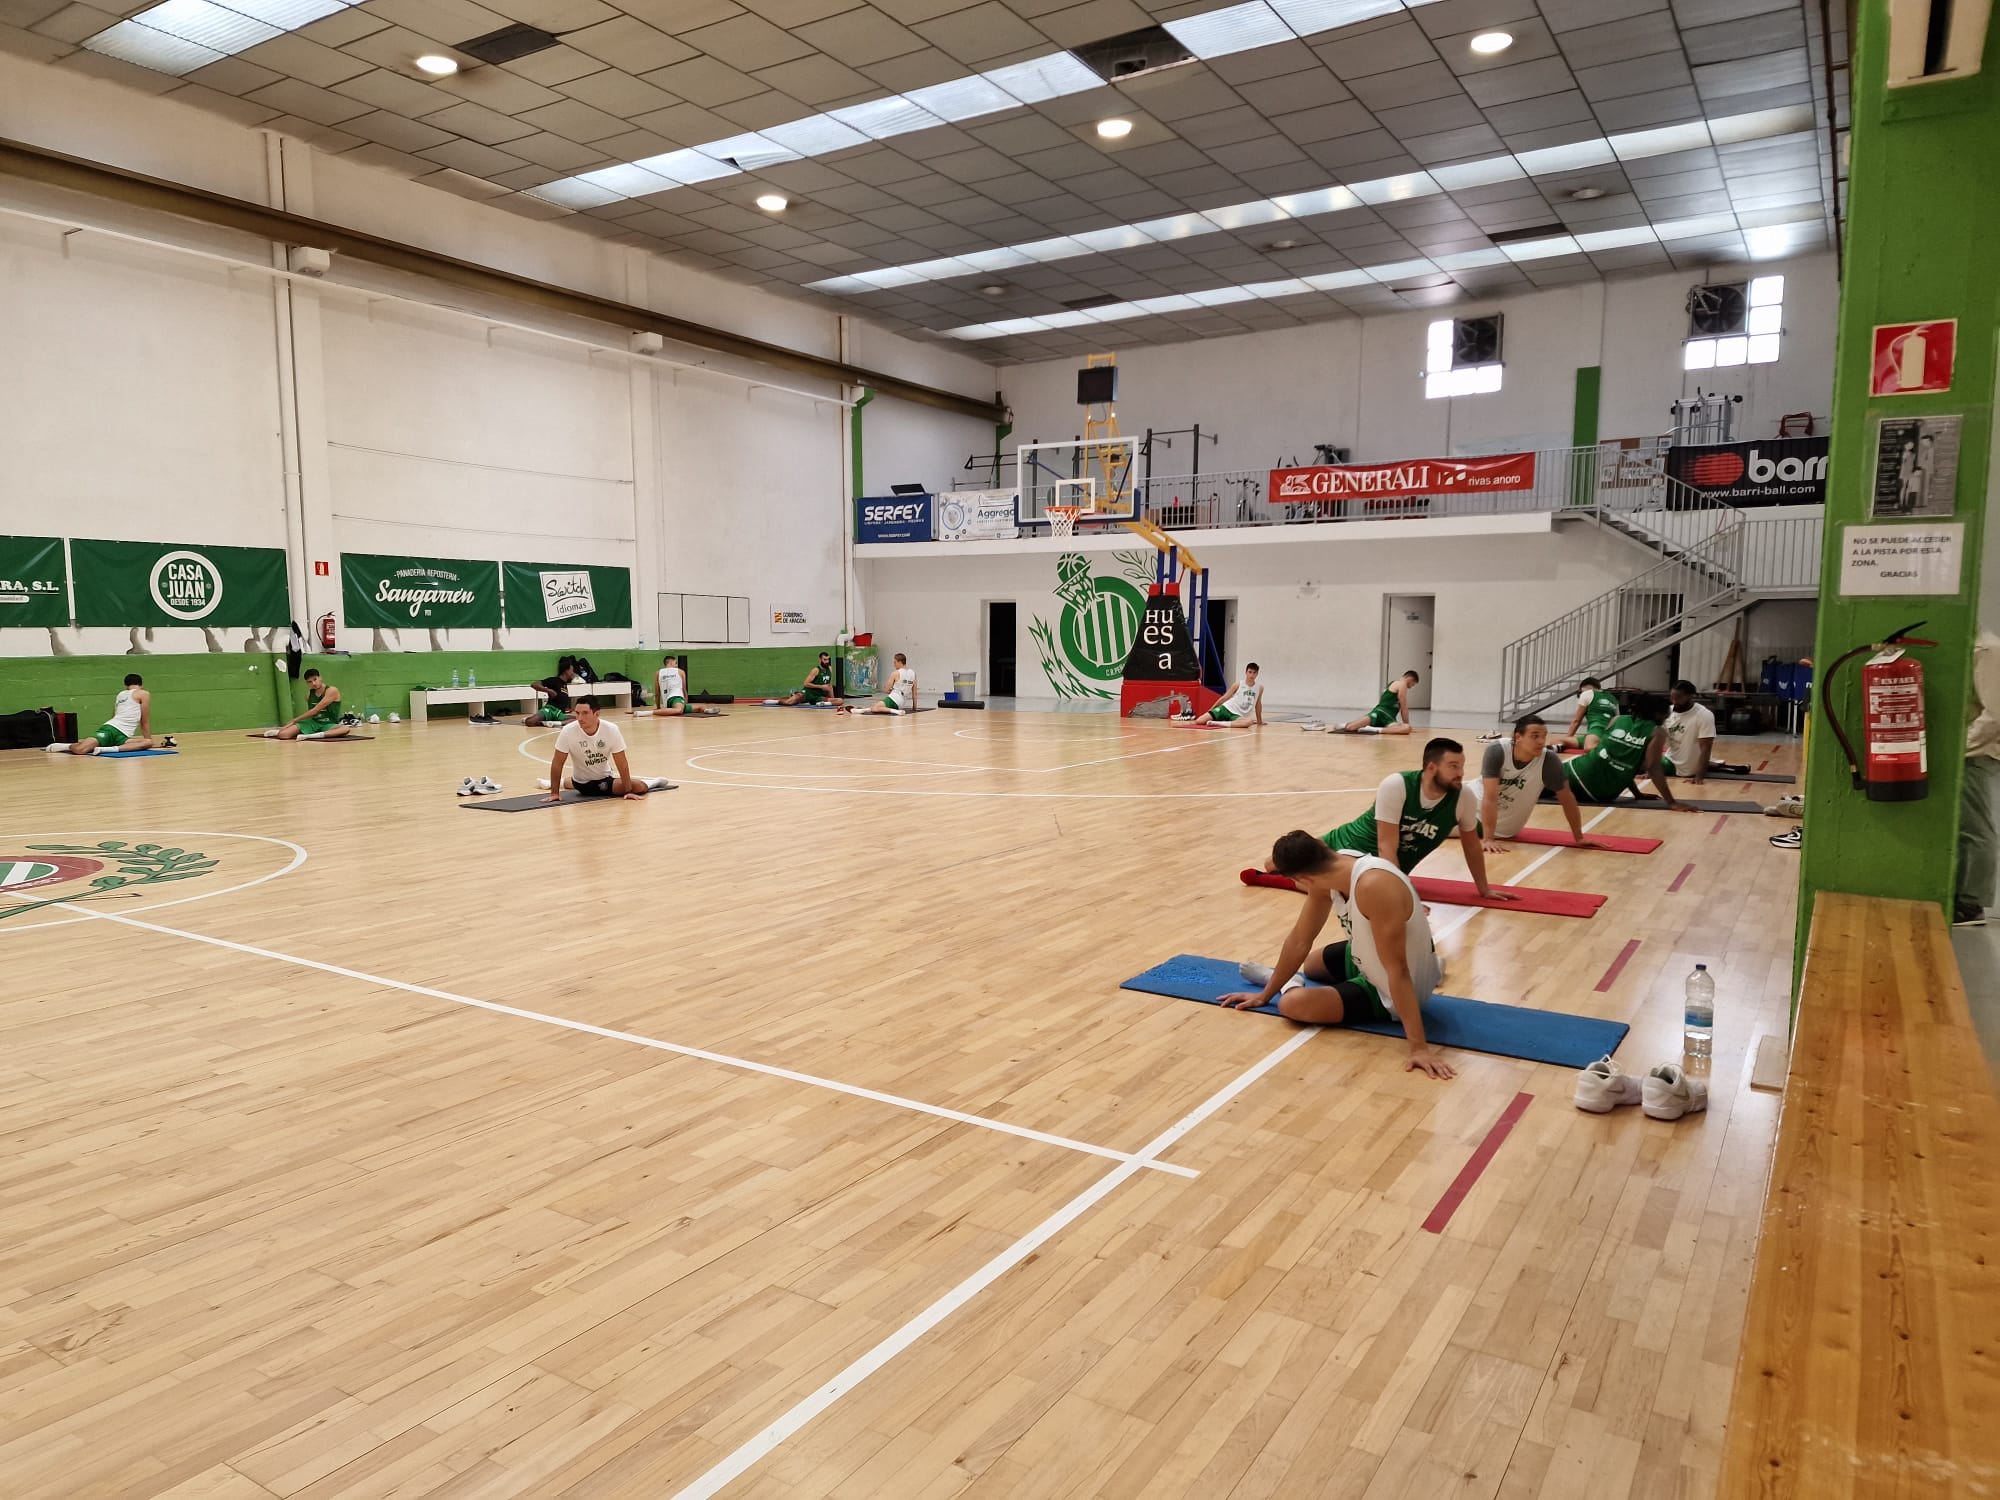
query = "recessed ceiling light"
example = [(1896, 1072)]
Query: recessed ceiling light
[(1489, 42), (1585, 194), (1114, 130), (1282, 245), (994, 290), (437, 65), (773, 203)]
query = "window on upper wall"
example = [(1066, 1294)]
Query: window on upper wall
[(1734, 323), (1462, 357)]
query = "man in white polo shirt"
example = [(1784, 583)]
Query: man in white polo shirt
[(1691, 736)]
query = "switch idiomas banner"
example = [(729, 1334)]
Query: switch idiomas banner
[(447, 593)]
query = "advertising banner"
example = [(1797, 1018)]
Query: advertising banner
[(1766, 471), (975, 515), (785, 621), (583, 596), (34, 584), (894, 518), (165, 583), (429, 593), (1404, 479), (1631, 464)]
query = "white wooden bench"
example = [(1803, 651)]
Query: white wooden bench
[(422, 700)]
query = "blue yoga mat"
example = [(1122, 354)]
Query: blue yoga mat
[(131, 754), (1547, 1036)]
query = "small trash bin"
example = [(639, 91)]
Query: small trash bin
[(965, 685)]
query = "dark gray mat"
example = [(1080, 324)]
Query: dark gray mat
[(540, 800)]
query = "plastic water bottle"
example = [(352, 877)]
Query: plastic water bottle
[(454, 676), (1698, 1035), (472, 677)]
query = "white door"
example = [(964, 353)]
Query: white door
[(1406, 641)]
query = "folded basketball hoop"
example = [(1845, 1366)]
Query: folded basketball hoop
[(1062, 519)]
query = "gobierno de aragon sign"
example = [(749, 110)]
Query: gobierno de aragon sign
[(428, 593)]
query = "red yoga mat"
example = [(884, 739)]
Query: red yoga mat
[(1531, 899), (1617, 843)]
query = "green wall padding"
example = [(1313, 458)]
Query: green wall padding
[(190, 693)]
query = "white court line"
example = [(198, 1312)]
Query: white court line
[(950, 767), (1132, 1159), (757, 1448), (1469, 912)]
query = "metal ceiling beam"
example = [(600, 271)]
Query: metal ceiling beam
[(35, 164)]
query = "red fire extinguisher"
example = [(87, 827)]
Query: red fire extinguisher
[(326, 634), (1896, 764)]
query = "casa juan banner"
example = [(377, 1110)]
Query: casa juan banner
[(577, 596), (1405, 479), (167, 583), (427, 593), (34, 581), (1766, 471)]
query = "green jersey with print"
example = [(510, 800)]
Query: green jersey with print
[(1388, 703), (326, 708), (1603, 772), (1599, 712), (1422, 829)]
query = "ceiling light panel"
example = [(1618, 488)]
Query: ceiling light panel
[(178, 36), (958, 99), (880, 119), (210, 25), (1223, 33), (1309, 16), (131, 42), (1041, 79)]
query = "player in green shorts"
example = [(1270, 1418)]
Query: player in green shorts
[(672, 681), (1243, 704), (1595, 709), (1391, 713), (817, 688), (321, 720), (129, 728), (901, 697), (1632, 745), (1416, 811)]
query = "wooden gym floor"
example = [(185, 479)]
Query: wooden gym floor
[(787, 1135)]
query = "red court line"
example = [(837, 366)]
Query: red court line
[(1762, 763), (1720, 820), (1681, 879), (1618, 964), (1469, 1173)]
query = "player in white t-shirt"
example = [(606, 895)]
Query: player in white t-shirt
[(671, 680), (901, 694), (595, 752), (1244, 703), (1385, 970), (1691, 737)]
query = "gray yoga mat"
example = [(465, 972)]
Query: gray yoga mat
[(540, 800)]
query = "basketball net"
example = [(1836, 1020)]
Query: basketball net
[(1062, 519)]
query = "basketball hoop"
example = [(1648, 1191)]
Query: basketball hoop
[(1062, 519)]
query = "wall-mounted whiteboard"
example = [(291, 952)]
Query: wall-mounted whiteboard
[(704, 620)]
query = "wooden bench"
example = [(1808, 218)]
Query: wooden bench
[(1870, 1363)]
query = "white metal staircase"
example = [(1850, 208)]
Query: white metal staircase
[(1715, 562)]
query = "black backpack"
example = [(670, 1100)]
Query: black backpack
[(32, 728)]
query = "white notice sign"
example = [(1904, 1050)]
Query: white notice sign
[(1901, 559)]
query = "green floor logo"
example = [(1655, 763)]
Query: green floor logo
[(41, 866), (1083, 654), (186, 585)]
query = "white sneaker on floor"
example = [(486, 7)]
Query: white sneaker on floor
[(1312, 726), (170, 743), (467, 788), (1668, 1093), (57, 749), (1260, 975), (1792, 839), (486, 786), (1602, 1087), (542, 782)]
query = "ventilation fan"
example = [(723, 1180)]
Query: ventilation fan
[(1475, 341), (1715, 311)]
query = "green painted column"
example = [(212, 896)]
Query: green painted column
[(1922, 223), (1583, 433)]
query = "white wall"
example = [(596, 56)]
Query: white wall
[(1357, 382), (1309, 600), (141, 394)]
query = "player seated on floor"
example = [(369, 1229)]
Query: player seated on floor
[(1632, 745), (1243, 705), (552, 695), (1595, 709), (817, 688), (1690, 732), (674, 694), (901, 697), (1391, 713), (321, 720), (595, 752), (1416, 811), (1512, 778), (129, 728), (1387, 968)]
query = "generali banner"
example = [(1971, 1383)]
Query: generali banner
[(1405, 478)]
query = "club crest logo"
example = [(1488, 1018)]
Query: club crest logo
[(41, 875), (1083, 653)]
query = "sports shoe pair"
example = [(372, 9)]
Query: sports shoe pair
[(479, 787), (1666, 1093), (1791, 805)]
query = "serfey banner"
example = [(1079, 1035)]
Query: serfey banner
[(579, 595), (165, 583), (429, 593), (34, 585)]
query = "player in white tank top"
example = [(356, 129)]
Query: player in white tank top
[(673, 700), (1385, 970), (1243, 705), (900, 696)]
